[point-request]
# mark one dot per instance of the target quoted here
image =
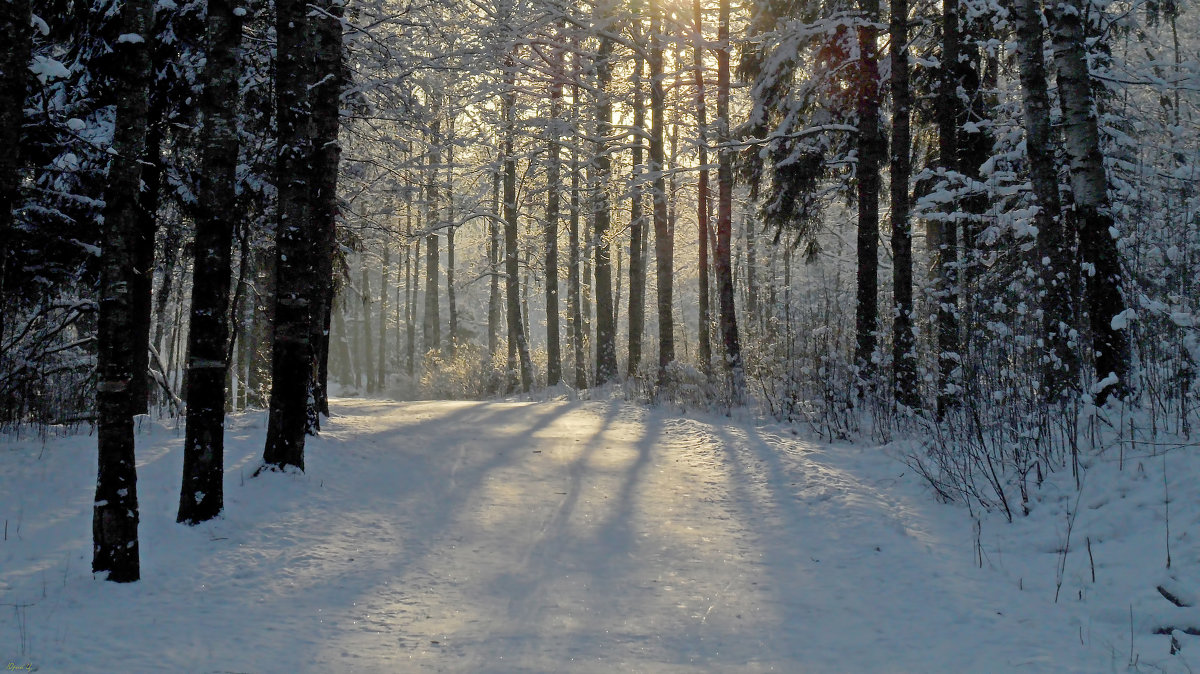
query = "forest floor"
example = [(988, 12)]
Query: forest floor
[(583, 537)]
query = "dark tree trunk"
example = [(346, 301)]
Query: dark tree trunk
[(451, 299), (327, 154), (702, 196), (1054, 240), (516, 330), (723, 261), (366, 358), (606, 352), (432, 326), (17, 34), (295, 261), (574, 292), (637, 226), (903, 355), (870, 157), (201, 496), (553, 172), (494, 245), (115, 509), (942, 234), (143, 272), (1089, 188), (412, 307), (381, 348), (664, 235)]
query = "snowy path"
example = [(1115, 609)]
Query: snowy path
[(525, 537)]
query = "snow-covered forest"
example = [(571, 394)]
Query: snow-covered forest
[(964, 235)]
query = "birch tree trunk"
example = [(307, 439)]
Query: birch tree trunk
[(1054, 239), (1089, 188)]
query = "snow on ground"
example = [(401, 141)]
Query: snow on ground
[(582, 537)]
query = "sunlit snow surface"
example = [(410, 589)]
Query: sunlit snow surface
[(563, 537)]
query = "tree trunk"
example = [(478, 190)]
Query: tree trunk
[(292, 352), (17, 35), (412, 308), (1054, 238), (870, 157), (606, 352), (942, 233), (115, 509), (327, 154), (1089, 187), (381, 348), (553, 170), (494, 244), (574, 292), (516, 331), (201, 496), (705, 347), (637, 224), (366, 358), (664, 236), (723, 261), (143, 272), (432, 326), (903, 355), (451, 299)]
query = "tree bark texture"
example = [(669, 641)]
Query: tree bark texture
[(201, 495), (115, 509), (295, 272)]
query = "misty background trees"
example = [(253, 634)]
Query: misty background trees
[(455, 200)]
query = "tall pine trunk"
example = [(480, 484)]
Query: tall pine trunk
[(451, 298), (664, 236), (723, 262), (292, 350), (637, 225), (432, 326), (942, 233), (904, 367), (606, 352), (870, 157), (381, 350), (115, 509), (574, 292), (553, 170), (702, 197), (518, 346), (201, 496), (327, 153), (494, 245)]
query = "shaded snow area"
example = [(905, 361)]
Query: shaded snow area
[(590, 537)]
